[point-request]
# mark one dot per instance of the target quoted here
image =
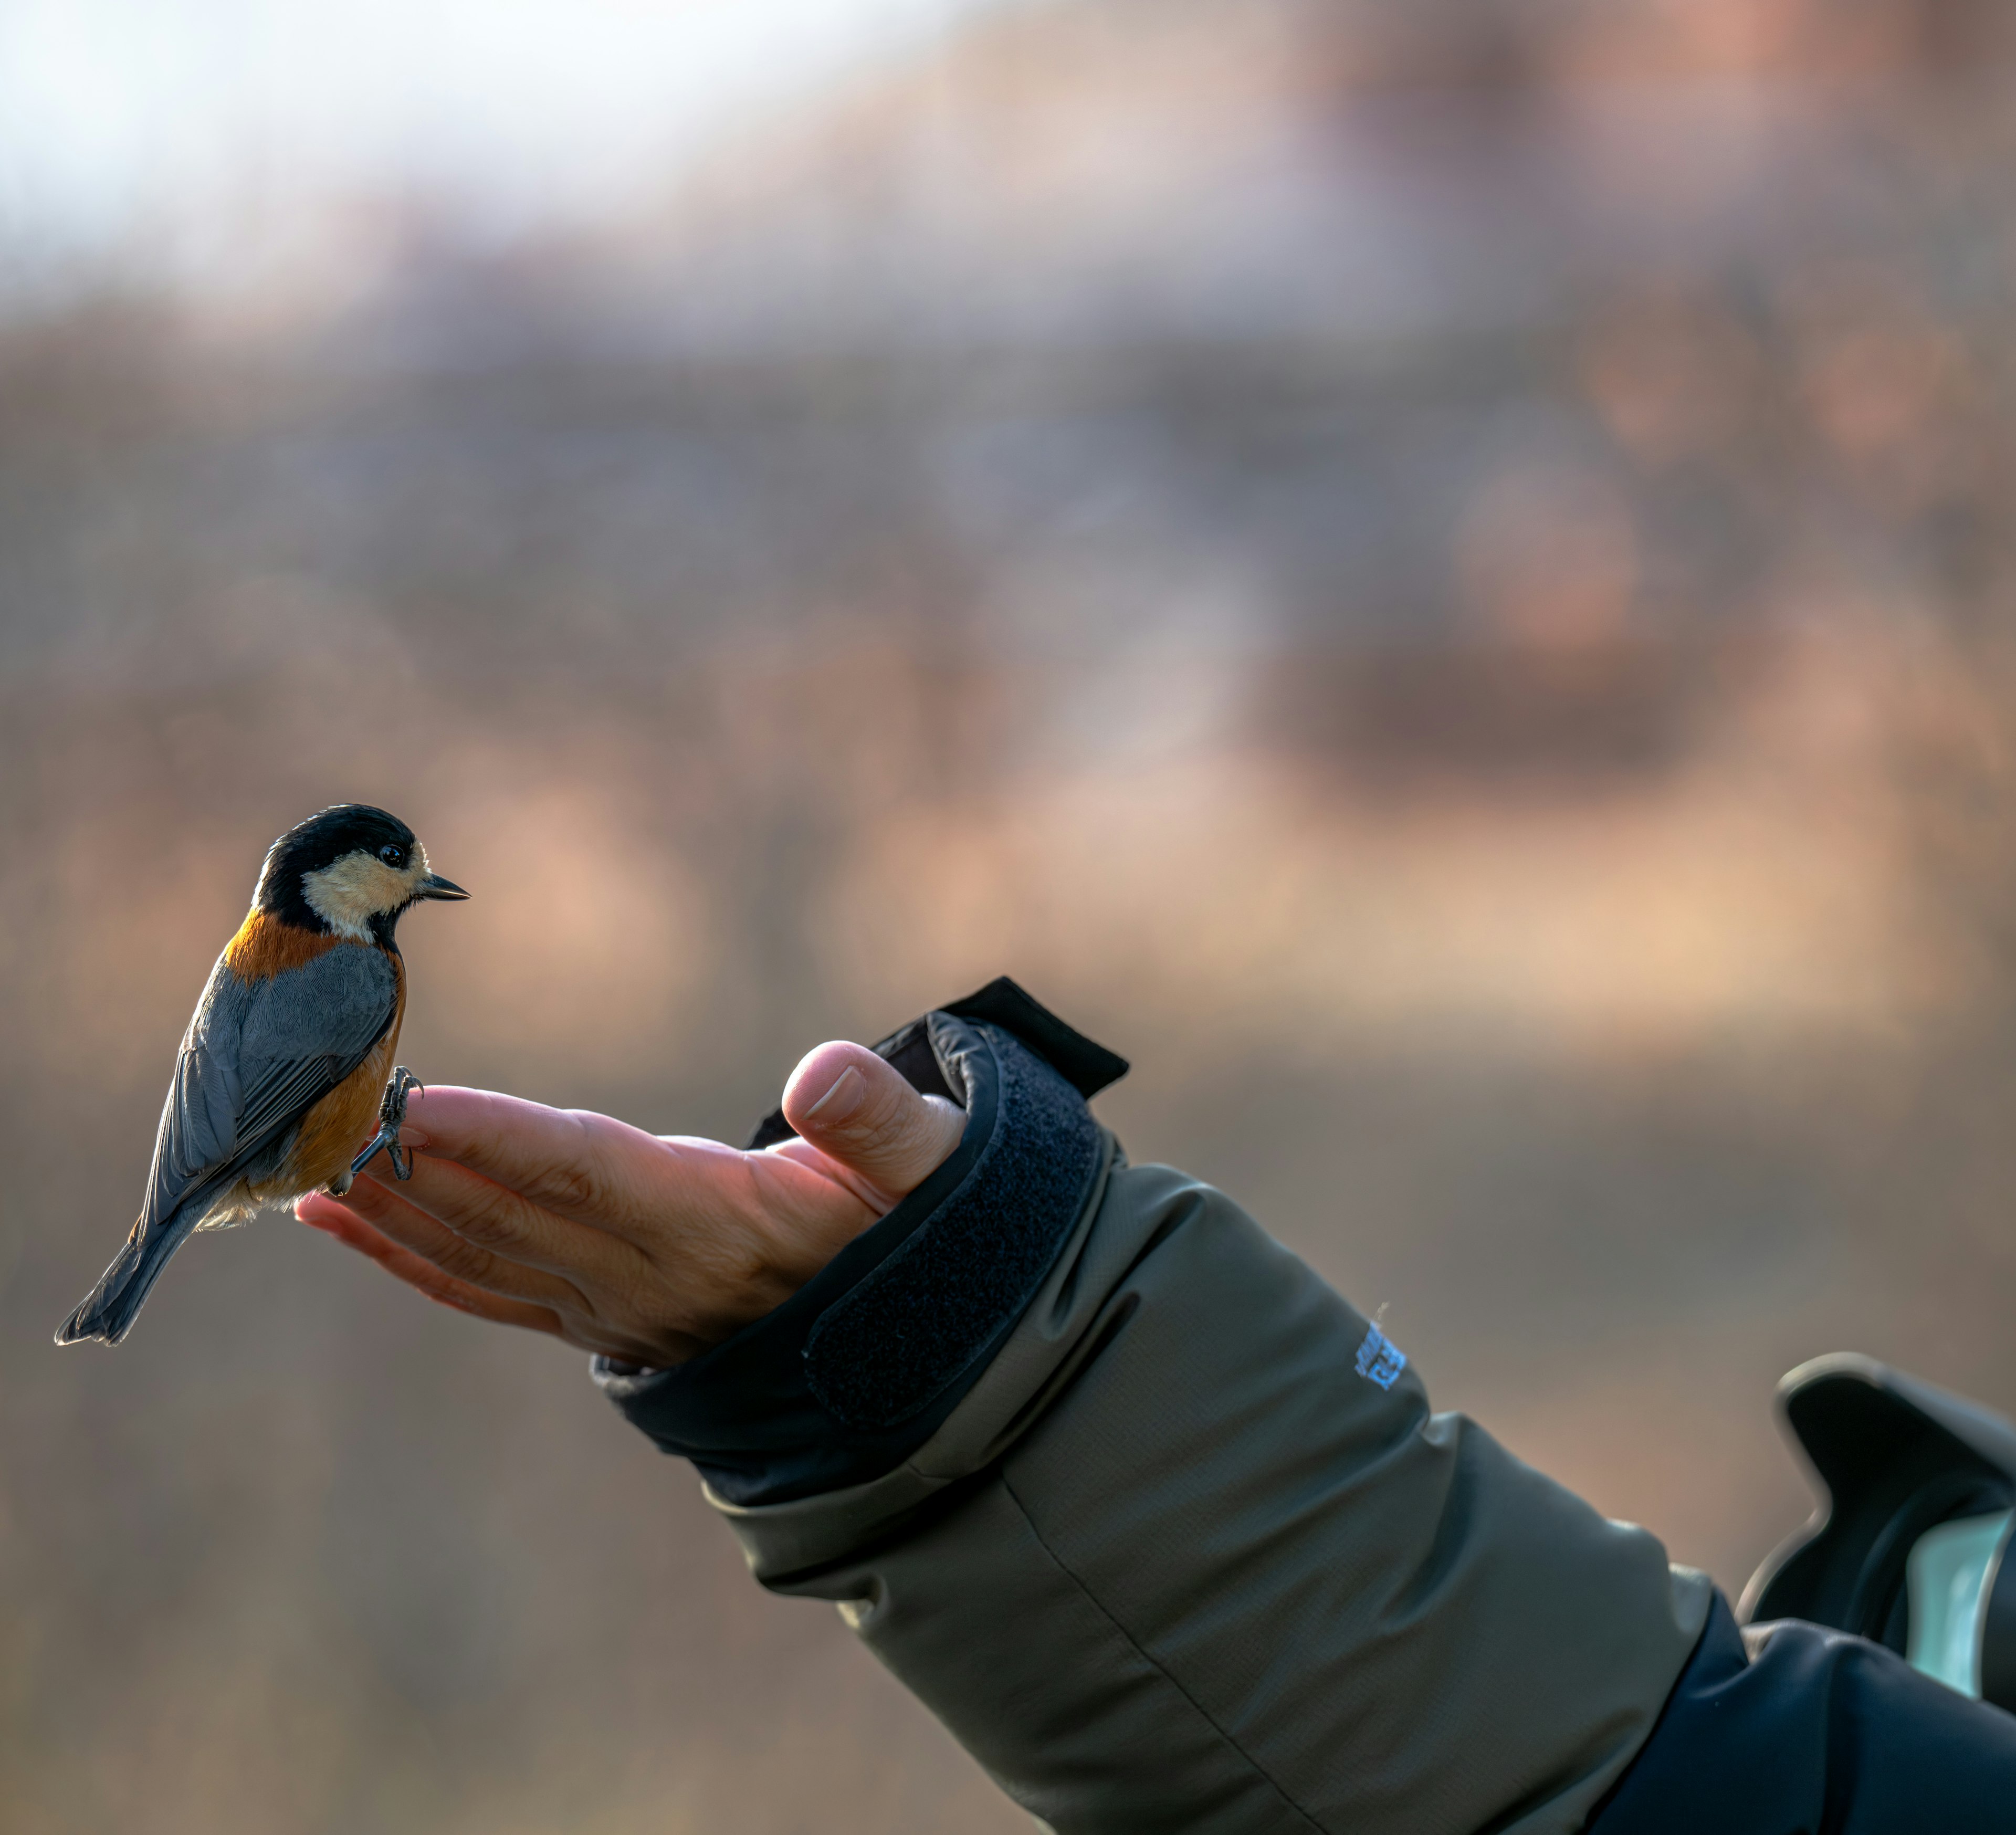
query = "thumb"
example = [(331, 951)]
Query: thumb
[(857, 1109)]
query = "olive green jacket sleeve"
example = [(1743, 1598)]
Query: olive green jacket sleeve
[(1193, 1555)]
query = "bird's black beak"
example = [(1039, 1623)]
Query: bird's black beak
[(434, 886)]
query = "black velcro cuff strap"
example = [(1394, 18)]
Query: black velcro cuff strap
[(890, 1346)]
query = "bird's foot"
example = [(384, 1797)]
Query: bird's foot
[(391, 1117)]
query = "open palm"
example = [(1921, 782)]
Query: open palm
[(647, 1248)]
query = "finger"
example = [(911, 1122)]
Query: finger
[(411, 1227), (564, 1160), (332, 1217), (858, 1110), (324, 1214), (492, 1216)]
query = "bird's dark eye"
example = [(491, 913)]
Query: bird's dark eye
[(392, 854)]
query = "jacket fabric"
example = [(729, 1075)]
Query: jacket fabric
[(1165, 1532), (1791, 1729)]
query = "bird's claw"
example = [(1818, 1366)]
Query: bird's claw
[(391, 1117)]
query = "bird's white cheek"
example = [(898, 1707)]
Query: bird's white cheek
[(349, 894)]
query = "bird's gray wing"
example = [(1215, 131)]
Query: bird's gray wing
[(257, 1054)]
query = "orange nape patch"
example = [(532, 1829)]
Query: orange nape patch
[(265, 946)]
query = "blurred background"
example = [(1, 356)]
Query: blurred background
[(1440, 575)]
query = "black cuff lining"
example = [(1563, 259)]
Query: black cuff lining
[(858, 1369)]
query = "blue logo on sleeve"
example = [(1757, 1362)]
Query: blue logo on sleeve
[(1380, 1360)]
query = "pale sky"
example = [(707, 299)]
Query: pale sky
[(168, 127)]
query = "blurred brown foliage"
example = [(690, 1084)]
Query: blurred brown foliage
[(1439, 576)]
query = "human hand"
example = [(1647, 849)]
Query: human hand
[(647, 1248)]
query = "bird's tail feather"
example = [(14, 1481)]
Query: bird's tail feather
[(109, 1308)]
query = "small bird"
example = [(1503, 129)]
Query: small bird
[(285, 1064)]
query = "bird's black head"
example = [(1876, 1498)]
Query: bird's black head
[(350, 871)]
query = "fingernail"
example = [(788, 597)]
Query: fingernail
[(411, 1137), (840, 1101)]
